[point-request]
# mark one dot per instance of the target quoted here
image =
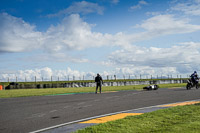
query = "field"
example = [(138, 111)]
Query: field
[(60, 91), (180, 119)]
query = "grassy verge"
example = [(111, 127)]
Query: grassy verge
[(180, 119), (54, 91)]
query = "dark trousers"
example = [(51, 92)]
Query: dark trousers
[(98, 85)]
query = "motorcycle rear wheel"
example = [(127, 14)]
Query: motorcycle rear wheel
[(188, 86)]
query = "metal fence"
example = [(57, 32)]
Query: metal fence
[(83, 77)]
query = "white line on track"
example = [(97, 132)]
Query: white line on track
[(72, 122)]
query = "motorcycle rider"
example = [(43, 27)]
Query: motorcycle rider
[(194, 78)]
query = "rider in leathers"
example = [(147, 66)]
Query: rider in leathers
[(194, 78)]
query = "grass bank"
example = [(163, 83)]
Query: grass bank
[(54, 91), (180, 119)]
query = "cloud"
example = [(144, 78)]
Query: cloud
[(82, 7), (16, 35), (57, 57), (139, 5), (168, 24), (182, 58), (73, 34), (45, 74), (162, 25), (191, 7)]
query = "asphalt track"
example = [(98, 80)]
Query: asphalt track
[(22, 115)]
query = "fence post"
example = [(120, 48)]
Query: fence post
[(35, 79), (115, 77)]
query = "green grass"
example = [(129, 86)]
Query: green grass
[(180, 119), (54, 91)]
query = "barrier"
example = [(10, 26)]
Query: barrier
[(1, 87), (90, 84)]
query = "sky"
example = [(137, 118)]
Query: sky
[(73, 39)]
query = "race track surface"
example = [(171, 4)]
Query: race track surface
[(33, 113)]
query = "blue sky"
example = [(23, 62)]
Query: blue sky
[(62, 38)]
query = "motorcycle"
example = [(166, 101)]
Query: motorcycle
[(190, 84)]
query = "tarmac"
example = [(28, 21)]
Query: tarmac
[(83, 123)]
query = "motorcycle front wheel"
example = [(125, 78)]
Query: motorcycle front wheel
[(197, 86)]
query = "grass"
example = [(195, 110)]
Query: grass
[(180, 119), (54, 91)]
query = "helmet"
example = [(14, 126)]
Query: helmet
[(195, 72)]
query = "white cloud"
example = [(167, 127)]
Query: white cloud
[(75, 34), (82, 7), (45, 74), (57, 57), (168, 24), (17, 35), (181, 58), (163, 25), (71, 34), (139, 5), (190, 7)]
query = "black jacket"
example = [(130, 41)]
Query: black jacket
[(98, 79)]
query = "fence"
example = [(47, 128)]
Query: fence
[(38, 85), (74, 78)]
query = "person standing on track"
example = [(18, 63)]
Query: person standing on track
[(99, 82)]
